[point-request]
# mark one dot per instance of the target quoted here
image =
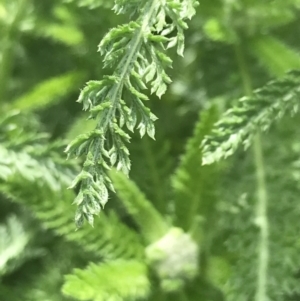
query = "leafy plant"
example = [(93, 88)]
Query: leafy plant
[(136, 51), (172, 265), (15, 246), (252, 114), (199, 218)]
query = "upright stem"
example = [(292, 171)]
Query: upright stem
[(262, 196), (8, 48), (262, 222)]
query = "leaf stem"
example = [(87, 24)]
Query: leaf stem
[(262, 222), (262, 195)]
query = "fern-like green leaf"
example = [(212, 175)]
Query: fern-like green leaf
[(136, 52), (240, 224), (64, 31), (15, 245), (26, 157), (113, 239), (111, 281), (276, 56), (252, 114), (48, 92), (193, 182)]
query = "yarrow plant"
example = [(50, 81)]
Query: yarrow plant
[(136, 51), (252, 114)]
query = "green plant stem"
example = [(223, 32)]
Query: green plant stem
[(262, 196), (262, 221), (151, 222), (8, 48)]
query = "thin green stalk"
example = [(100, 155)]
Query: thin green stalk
[(262, 196), (262, 222), (8, 48)]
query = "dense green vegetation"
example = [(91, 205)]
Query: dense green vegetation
[(208, 210)]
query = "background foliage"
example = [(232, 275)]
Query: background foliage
[(177, 229)]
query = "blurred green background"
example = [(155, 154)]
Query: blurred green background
[(48, 50)]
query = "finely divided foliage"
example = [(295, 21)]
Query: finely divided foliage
[(136, 53), (252, 114), (14, 245), (131, 282)]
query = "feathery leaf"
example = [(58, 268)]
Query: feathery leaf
[(136, 52), (109, 281), (252, 114)]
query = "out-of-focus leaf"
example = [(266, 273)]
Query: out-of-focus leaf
[(49, 91), (276, 56)]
